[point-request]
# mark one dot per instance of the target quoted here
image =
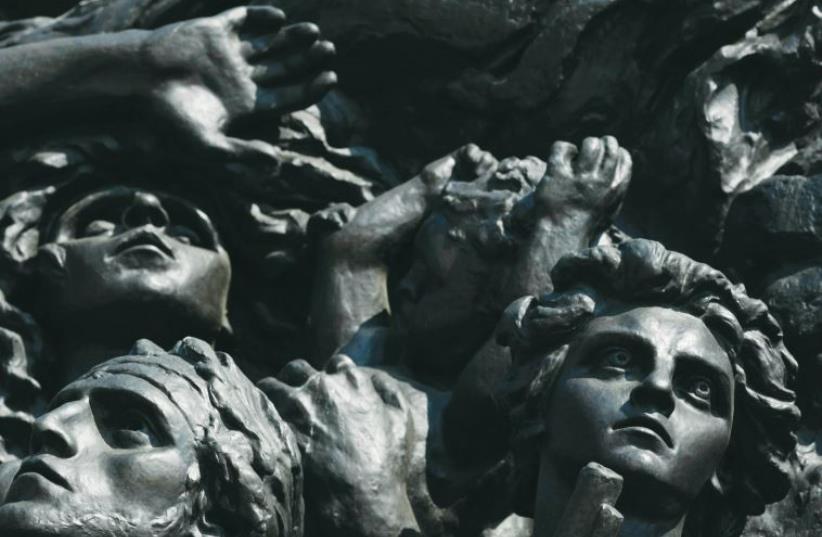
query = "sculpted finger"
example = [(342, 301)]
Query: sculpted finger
[(624, 167), (234, 18), (488, 164), (610, 156), (316, 58), (472, 163), (437, 174), (596, 485), (590, 155), (289, 404), (247, 156), (276, 390), (296, 372), (12, 350), (291, 38), (330, 219), (338, 363), (561, 156), (267, 17), (388, 390), (608, 522), (282, 99)]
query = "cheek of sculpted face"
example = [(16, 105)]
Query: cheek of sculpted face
[(659, 368), (145, 249), (159, 444)]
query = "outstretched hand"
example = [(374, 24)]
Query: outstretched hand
[(241, 64), (355, 432)]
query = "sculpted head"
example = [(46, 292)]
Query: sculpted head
[(448, 302), (656, 366), (159, 444), (138, 255)]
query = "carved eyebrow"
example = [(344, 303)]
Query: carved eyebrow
[(627, 338), (66, 395)]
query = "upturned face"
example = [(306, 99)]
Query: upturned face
[(156, 256), (647, 392), (113, 456), (442, 304)]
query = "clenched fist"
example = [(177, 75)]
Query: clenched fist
[(591, 180)]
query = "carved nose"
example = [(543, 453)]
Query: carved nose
[(655, 393), (48, 436), (145, 209)]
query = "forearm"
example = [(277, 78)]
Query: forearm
[(548, 240), (350, 285), (383, 224), (343, 299), (38, 78)]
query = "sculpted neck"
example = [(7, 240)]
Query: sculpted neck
[(556, 486)]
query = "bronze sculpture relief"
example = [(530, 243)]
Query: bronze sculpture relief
[(661, 369), (158, 442), (482, 350)]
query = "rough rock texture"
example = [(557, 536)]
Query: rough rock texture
[(730, 125), (773, 243), (712, 99), (678, 82)]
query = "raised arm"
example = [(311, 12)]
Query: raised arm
[(570, 208), (199, 76), (572, 205), (352, 273)]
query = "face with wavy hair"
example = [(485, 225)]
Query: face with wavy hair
[(651, 393), (159, 444), (657, 366)]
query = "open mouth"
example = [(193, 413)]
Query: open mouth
[(647, 422), (145, 238), (37, 466)]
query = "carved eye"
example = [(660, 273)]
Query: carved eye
[(616, 357), (125, 429), (701, 388), (131, 430), (98, 227)]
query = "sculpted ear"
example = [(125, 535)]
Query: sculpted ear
[(717, 483), (50, 263), (721, 478)]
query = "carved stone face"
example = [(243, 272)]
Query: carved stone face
[(440, 300), (145, 257), (113, 456), (647, 392)]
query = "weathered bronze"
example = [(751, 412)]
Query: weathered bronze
[(487, 345)]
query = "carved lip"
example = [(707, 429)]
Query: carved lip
[(647, 422), (40, 467), (144, 237)]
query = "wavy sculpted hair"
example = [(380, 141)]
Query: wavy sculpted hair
[(250, 473), (642, 272)]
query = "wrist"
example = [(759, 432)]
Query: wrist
[(541, 219), (120, 69)]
